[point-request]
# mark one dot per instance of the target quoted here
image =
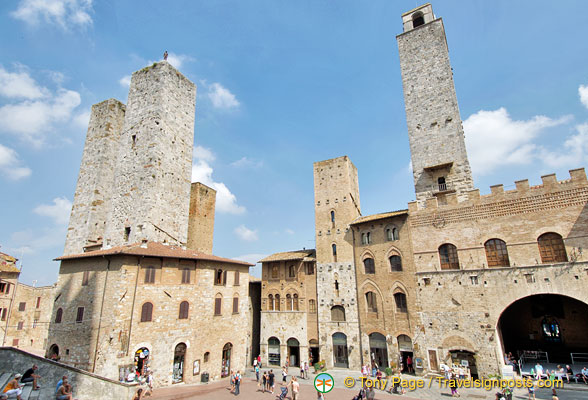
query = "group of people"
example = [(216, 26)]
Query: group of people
[(14, 387), (560, 373), (235, 382)]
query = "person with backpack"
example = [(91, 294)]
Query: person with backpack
[(237, 383)]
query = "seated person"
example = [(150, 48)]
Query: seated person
[(585, 375), (60, 383), (31, 376), (13, 387), (569, 373), (64, 392)]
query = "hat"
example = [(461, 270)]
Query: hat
[(18, 376)]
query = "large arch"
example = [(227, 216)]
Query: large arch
[(545, 328)]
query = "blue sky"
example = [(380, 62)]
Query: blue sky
[(280, 86)]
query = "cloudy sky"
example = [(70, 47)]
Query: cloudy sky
[(280, 85)]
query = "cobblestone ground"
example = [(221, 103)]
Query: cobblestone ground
[(249, 390)]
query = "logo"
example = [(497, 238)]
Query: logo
[(324, 383)]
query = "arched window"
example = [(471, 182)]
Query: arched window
[(333, 218), (337, 314), (289, 305), (270, 303), (552, 248), (311, 306), (418, 19), (550, 328), (58, 315), (395, 263), (496, 253), (366, 238), (291, 271), (334, 248), (391, 233), (235, 304), (277, 303), (370, 267), (218, 304), (400, 299), (146, 312), (295, 302), (448, 256), (442, 184), (206, 356), (184, 310), (372, 304)]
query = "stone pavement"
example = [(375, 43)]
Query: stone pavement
[(249, 390)]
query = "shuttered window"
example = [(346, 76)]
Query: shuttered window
[(236, 277), (146, 312), (150, 275), (217, 305), (235, 305), (85, 278), (185, 275), (80, 314), (58, 315), (184, 309)]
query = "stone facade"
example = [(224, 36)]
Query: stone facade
[(201, 221), (435, 132)]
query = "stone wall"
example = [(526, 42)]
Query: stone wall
[(94, 190), (201, 219), (151, 195)]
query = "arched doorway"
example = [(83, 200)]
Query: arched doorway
[(142, 360), (340, 353), (379, 350), (226, 366), (273, 351), (405, 351), (293, 352), (313, 351), (544, 328), (179, 358), (53, 352)]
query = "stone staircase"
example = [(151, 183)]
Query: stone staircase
[(27, 391)]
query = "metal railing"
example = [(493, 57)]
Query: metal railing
[(441, 187), (579, 358), (532, 355)]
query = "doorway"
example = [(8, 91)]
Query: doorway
[(226, 364), (273, 351), (179, 358), (379, 350), (406, 354), (293, 352), (313, 352), (466, 359), (142, 361), (340, 353)]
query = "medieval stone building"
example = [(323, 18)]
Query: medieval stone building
[(138, 286), (457, 277)]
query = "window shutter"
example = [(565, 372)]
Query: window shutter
[(225, 278), (184, 307), (58, 315), (38, 302), (235, 305), (22, 306), (85, 278), (236, 277), (217, 306), (80, 316)]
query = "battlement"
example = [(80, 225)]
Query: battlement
[(550, 184)]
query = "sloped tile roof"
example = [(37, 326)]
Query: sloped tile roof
[(375, 217), (305, 255)]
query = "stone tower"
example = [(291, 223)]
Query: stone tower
[(94, 190), (336, 195), (151, 194), (437, 144), (201, 223)]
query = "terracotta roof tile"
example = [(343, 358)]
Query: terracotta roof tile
[(306, 255), (375, 217), (153, 249)]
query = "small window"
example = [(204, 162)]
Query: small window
[(85, 278), (370, 267), (551, 330), (400, 299), (289, 305), (311, 306), (372, 304), (20, 325), (58, 315), (236, 282), (184, 310), (14, 342), (337, 314), (333, 218), (448, 256), (418, 19), (291, 271), (35, 321), (275, 271), (277, 302), (80, 314), (220, 277), (295, 302), (206, 356), (395, 263), (552, 248), (334, 248), (38, 302), (3, 286), (309, 268), (474, 279), (235, 305), (127, 233), (150, 275), (3, 313), (366, 238), (22, 306), (147, 312), (186, 275), (217, 305), (270, 303)]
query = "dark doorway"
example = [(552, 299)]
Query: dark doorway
[(293, 352), (273, 351), (313, 352), (179, 357), (142, 360), (405, 351), (226, 363), (379, 350), (340, 353)]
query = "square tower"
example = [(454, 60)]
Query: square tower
[(437, 143), (336, 196), (151, 195)]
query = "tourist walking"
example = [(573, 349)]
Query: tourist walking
[(271, 379), (295, 387), (256, 372), (237, 383), (305, 370)]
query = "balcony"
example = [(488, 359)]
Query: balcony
[(440, 188)]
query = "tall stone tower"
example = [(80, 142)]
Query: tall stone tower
[(336, 195), (201, 223), (151, 194), (94, 190), (437, 144)]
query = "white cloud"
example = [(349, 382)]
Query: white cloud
[(177, 60), (493, 139), (245, 162), (221, 97), (574, 152), (19, 85), (81, 120), (11, 165), (202, 153), (583, 92), (125, 81), (63, 13), (59, 211), (246, 234)]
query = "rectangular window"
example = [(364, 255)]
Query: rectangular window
[(310, 269), (474, 279), (235, 305), (14, 342), (38, 302), (275, 271), (185, 275), (80, 315), (149, 275), (217, 306), (4, 313), (236, 278), (85, 278), (22, 306), (20, 325), (35, 322), (3, 287), (7, 288), (311, 306)]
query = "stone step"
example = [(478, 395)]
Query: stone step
[(26, 392), (4, 378)]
